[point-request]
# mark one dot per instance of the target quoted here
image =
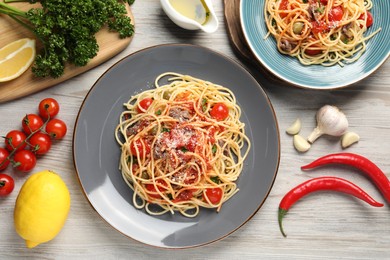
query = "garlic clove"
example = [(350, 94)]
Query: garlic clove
[(294, 128), (301, 144), (331, 121), (349, 138)]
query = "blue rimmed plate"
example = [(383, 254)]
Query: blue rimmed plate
[(315, 76)]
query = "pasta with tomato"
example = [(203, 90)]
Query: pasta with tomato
[(325, 32), (183, 145)]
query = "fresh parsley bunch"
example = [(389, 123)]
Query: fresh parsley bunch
[(67, 29)]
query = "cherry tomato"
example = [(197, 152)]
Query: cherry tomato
[(31, 123), (56, 128), (144, 104), (370, 19), (219, 111), (7, 184), (15, 139), (335, 14), (185, 195), (4, 162), (324, 2), (40, 143), (25, 160), (214, 195), (141, 146), (48, 107), (319, 27), (312, 52), (152, 189), (283, 6)]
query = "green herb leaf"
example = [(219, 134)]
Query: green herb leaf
[(214, 149), (215, 179), (204, 102)]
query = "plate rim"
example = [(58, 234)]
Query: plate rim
[(227, 58), (294, 83)]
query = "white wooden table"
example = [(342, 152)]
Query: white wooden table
[(321, 226)]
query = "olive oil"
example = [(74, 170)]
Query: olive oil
[(196, 10)]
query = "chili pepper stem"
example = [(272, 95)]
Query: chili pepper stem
[(281, 214)]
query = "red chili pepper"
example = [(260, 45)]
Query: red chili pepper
[(317, 184), (359, 162)]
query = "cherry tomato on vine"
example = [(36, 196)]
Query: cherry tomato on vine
[(56, 128), (219, 111), (214, 195), (7, 184), (40, 143), (4, 162), (335, 14), (141, 146), (144, 104), (48, 107), (15, 139), (31, 123), (25, 160)]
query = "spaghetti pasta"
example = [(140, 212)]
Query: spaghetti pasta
[(183, 145), (325, 32)]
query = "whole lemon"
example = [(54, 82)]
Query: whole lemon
[(41, 208)]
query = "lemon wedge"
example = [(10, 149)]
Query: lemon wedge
[(41, 208), (15, 58)]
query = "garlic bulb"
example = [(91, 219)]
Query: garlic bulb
[(330, 121)]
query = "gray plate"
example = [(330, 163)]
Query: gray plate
[(96, 153)]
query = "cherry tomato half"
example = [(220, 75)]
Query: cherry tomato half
[(141, 146), (185, 195), (283, 6), (370, 19), (15, 139), (153, 192), (319, 27), (214, 195), (56, 128), (48, 107), (40, 143), (335, 14), (219, 111), (4, 162), (7, 184), (31, 123), (312, 52), (25, 160), (144, 104)]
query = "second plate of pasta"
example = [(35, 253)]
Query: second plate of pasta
[(304, 42)]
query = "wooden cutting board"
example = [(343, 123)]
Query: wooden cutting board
[(109, 45), (237, 38), (236, 35)]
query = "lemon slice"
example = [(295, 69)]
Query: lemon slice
[(15, 58)]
